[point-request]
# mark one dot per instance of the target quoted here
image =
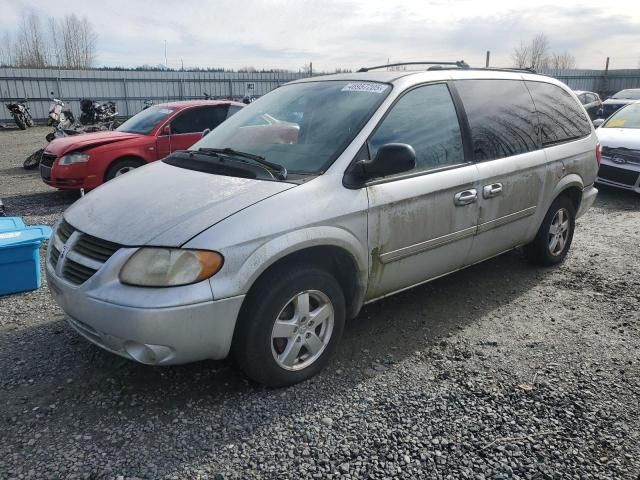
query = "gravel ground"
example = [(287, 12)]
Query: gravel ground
[(500, 371)]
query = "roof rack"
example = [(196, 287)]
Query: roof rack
[(458, 64)]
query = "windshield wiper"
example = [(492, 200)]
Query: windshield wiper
[(280, 170)]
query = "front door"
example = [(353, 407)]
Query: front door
[(188, 126), (421, 223)]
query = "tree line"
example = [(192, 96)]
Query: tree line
[(67, 42), (536, 54)]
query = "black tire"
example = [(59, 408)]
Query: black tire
[(539, 251), (119, 165), (20, 122), (50, 137), (253, 346), (30, 122), (33, 160)]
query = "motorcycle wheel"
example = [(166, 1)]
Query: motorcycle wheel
[(20, 122), (30, 122), (33, 160)]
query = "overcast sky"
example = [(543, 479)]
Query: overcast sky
[(344, 33)]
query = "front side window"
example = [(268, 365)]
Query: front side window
[(561, 118), (196, 120), (146, 120), (426, 119), (627, 117), (501, 115), (302, 126)]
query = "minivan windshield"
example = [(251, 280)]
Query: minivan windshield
[(628, 94), (146, 120), (303, 127), (627, 117)]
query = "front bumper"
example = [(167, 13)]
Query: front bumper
[(150, 334), (67, 177), (620, 175)]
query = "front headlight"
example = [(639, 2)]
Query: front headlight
[(75, 157), (170, 267)]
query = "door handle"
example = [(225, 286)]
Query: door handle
[(492, 190), (465, 197)]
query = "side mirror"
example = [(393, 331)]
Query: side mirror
[(166, 130), (597, 122), (205, 132), (391, 158)]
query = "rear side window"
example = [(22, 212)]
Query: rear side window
[(501, 115), (561, 118), (426, 119)]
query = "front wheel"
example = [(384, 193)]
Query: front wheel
[(122, 166), (29, 121), (289, 327), (554, 236)]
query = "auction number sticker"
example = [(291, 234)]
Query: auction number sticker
[(368, 87), (616, 123)]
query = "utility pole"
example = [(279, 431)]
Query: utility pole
[(606, 66), (486, 63), (311, 69)]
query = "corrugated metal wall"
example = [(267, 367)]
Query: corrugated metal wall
[(597, 81), (127, 88)]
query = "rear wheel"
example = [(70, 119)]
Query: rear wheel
[(554, 236), (20, 122), (122, 166), (289, 326)]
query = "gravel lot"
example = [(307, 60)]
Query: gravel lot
[(500, 371)]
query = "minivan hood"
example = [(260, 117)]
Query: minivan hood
[(163, 205), (60, 146)]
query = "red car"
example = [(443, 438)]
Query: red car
[(88, 160)]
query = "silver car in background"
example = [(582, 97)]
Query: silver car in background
[(619, 136), (271, 232)]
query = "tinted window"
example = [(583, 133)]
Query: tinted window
[(561, 118), (426, 119), (196, 120), (233, 109), (501, 116)]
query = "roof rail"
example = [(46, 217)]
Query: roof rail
[(526, 69), (458, 64)]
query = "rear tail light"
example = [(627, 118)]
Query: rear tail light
[(598, 153)]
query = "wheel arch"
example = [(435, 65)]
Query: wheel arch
[(340, 256), (121, 157)]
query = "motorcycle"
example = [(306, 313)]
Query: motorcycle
[(94, 113), (33, 160), (21, 114), (60, 116), (146, 104)]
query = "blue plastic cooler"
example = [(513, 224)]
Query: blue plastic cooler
[(20, 255)]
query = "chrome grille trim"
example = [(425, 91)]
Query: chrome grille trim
[(76, 256)]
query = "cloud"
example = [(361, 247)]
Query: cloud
[(350, 33)]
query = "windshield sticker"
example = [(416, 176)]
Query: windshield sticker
[(10, 235), (616, 123), (368, 87)]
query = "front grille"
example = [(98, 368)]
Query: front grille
[(47, 159), (76, 272), (45, 172), (54, 255), (85, 249), (64, 231), (627, 155), (95, 248), (618, 175)]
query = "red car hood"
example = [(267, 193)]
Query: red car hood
[(60, 146)]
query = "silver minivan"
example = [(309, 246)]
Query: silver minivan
[(272, 231)]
